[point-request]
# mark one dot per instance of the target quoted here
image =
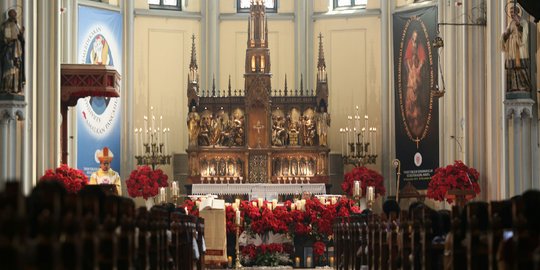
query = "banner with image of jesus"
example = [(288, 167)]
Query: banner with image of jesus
[(416, 109)]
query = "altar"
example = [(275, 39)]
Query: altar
[(258, 190)]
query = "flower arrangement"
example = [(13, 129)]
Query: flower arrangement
[(367, 177), (145, 182), (72, 179), (455, 176), (266, 255)]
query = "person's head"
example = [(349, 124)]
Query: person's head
[(391, 206), (12, 14), (105, 158)]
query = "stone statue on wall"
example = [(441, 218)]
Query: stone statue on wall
[(205, 130), (515, 45), (279, 133), (294, 130), (12, 78), (193, 126)]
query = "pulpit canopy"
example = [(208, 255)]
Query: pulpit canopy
[(83, 80)]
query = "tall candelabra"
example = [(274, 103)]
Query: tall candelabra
[(360, 142), (154, 142)]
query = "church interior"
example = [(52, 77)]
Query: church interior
[(260, 134)]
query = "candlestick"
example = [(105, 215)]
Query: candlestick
[(370, 195), (347, 147), (237, 217), (297, 262), (174, 188), (331, 261)]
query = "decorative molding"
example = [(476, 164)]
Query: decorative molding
[(12, 110), (518, 107), (168, 14), (346, 14)]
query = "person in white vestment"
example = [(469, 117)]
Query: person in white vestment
[(106, 175)]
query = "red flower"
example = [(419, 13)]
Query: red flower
[(72, 179), (367, 177), (319, 248), (456, 176), (145, 182)]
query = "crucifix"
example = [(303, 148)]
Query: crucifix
[(417, 142), (258, 127)]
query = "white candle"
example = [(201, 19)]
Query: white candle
[(136, 142), (237, 201), (162, 195), (334, 200), (269, 206), (322, 200), (354, 142), (308, 262), (260, 201), (161, 122), (187, 212), (174, 188), (274, 203), (145, 126), (158, 135), (237, 217), (347, 146), (141, 135), (370, 193), (366, 121), (293, 206), (363, 139), (356, 188), (341, 132)]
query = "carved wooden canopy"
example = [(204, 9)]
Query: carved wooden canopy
[(83, 80)]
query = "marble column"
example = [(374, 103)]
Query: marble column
[(11, 110), (47, 101), (518, 141)]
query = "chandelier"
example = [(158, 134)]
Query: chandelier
[(357, 141), (154, 140)]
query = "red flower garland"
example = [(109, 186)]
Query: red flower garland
[(456, 176), (145, 182), (367, 177), (72, 179)]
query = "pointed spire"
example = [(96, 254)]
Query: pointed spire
[(193, 68), (213, 85), (321, 64), (249, 31), (285, 91), (301, 84), (230, 92), (266, 32)]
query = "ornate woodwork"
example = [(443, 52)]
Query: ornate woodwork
[(257, 135)]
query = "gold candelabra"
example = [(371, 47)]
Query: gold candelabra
[(154, 143), (360, 142)]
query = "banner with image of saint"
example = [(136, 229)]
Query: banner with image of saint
[(416, 109), (99, 119)]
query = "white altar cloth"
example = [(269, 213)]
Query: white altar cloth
[(258, 190)]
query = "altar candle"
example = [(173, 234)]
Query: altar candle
[(375, 141), (197, 203), (303, 204), (293, 206), (370, 193), (366, 121), (229, 261), (363, 139), (187, 212), (237, 201), (161, 122), (334, 200), (356, 188), (274, 203), (322, 200), (331, 261), (308, 262), (297, 262), (145, 126), (136, 142), (269, 206), (341, 132), (237, 217), (158, 135), (174, 188), (347, 146), (260, 201), (162, 195), (254, 204), (354, 142)]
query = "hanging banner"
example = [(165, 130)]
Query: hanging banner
[(98, 118), (416, 109)]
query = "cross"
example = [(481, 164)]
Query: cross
[(417, 142), (258, 127)]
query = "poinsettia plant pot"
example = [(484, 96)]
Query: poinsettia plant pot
[(149, 203)]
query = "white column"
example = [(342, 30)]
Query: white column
[(517, 153), (128, 151), (12, 129), (209, 44), (4, 153), (526, 152), (387, 133), (28, 172), (48, 86)]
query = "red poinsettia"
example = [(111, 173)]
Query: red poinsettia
[(145, 182), (367, 177), (319, 248), (452, 177), (72, 179)]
